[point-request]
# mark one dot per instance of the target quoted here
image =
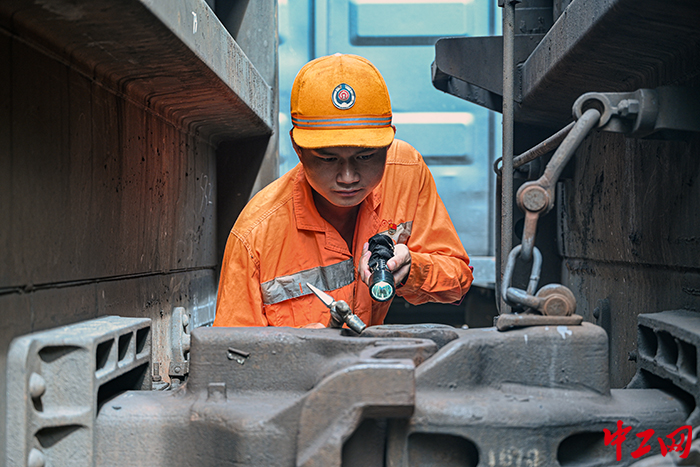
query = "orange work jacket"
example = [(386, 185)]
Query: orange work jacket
[(280, 242)]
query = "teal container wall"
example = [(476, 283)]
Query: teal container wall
[(458, 140)]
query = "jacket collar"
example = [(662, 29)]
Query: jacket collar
[(305, 212)]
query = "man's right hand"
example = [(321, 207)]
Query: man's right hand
[(314, 326)]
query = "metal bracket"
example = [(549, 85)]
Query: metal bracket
[(667, 349), (512, 321), (58, 380), (180, 341), (479, 79), (666, 111), (555, 302)]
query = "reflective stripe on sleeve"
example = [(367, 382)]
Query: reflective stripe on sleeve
[(326, 278)]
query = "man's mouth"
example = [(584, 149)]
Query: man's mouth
[(347, 193)]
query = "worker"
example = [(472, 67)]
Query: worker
[(312, 224)]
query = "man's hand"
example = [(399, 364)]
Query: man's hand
[(399, 264), (314, 326)]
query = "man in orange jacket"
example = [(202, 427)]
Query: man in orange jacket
[(312, 224)]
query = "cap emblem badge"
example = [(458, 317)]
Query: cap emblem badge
[(343, 96)]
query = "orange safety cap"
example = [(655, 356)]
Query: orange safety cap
[(341, 100)]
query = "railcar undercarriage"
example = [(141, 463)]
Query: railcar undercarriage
[(575, 373)]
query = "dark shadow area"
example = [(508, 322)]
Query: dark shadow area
[(477, 310), (49, 436), (583, 449), (231, 15), (142, 338), (645, 379), (50, 354), (367, 444), (131, 380), (124, 341), (237, 165), (437, 450), (102, 354)]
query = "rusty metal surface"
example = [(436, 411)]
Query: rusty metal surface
[(611, 45), (129, 44), (554, 301), (480, 78), (628, 232), (627, 214), (439, 333), (550, 300), (513, 321), (614, 45), (58, 381), (540, 396), (109, 124), (296, 398), (306, 397), (667, 352)]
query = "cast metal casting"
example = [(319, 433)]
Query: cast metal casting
[(58, 382), (401, 396)]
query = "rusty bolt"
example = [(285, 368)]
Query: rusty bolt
[(557, 300), (533, 198), (156, 373), (556, 305)]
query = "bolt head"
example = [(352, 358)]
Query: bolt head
[(37, 386), (534, 198), (36, 458), (556, 305)]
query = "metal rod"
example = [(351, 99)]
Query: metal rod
[(507, 178), (548, 145), (544, 147), (566, 149)]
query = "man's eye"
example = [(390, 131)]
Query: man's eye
[(327, 159), (364, 157)]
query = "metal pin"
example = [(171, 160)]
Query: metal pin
[(238, 356)]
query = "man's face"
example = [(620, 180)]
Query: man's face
[(343, 175)]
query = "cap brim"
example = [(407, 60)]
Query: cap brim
[(358, 137)]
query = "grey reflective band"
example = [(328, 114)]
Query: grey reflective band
[(326, 278), (343, 124), (326, 122), (342, 119)]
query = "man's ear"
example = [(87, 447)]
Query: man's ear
[(296, 147), (392, 126)]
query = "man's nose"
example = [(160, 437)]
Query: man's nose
[(348, 173)]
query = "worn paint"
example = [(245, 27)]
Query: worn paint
[(564, 331)]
